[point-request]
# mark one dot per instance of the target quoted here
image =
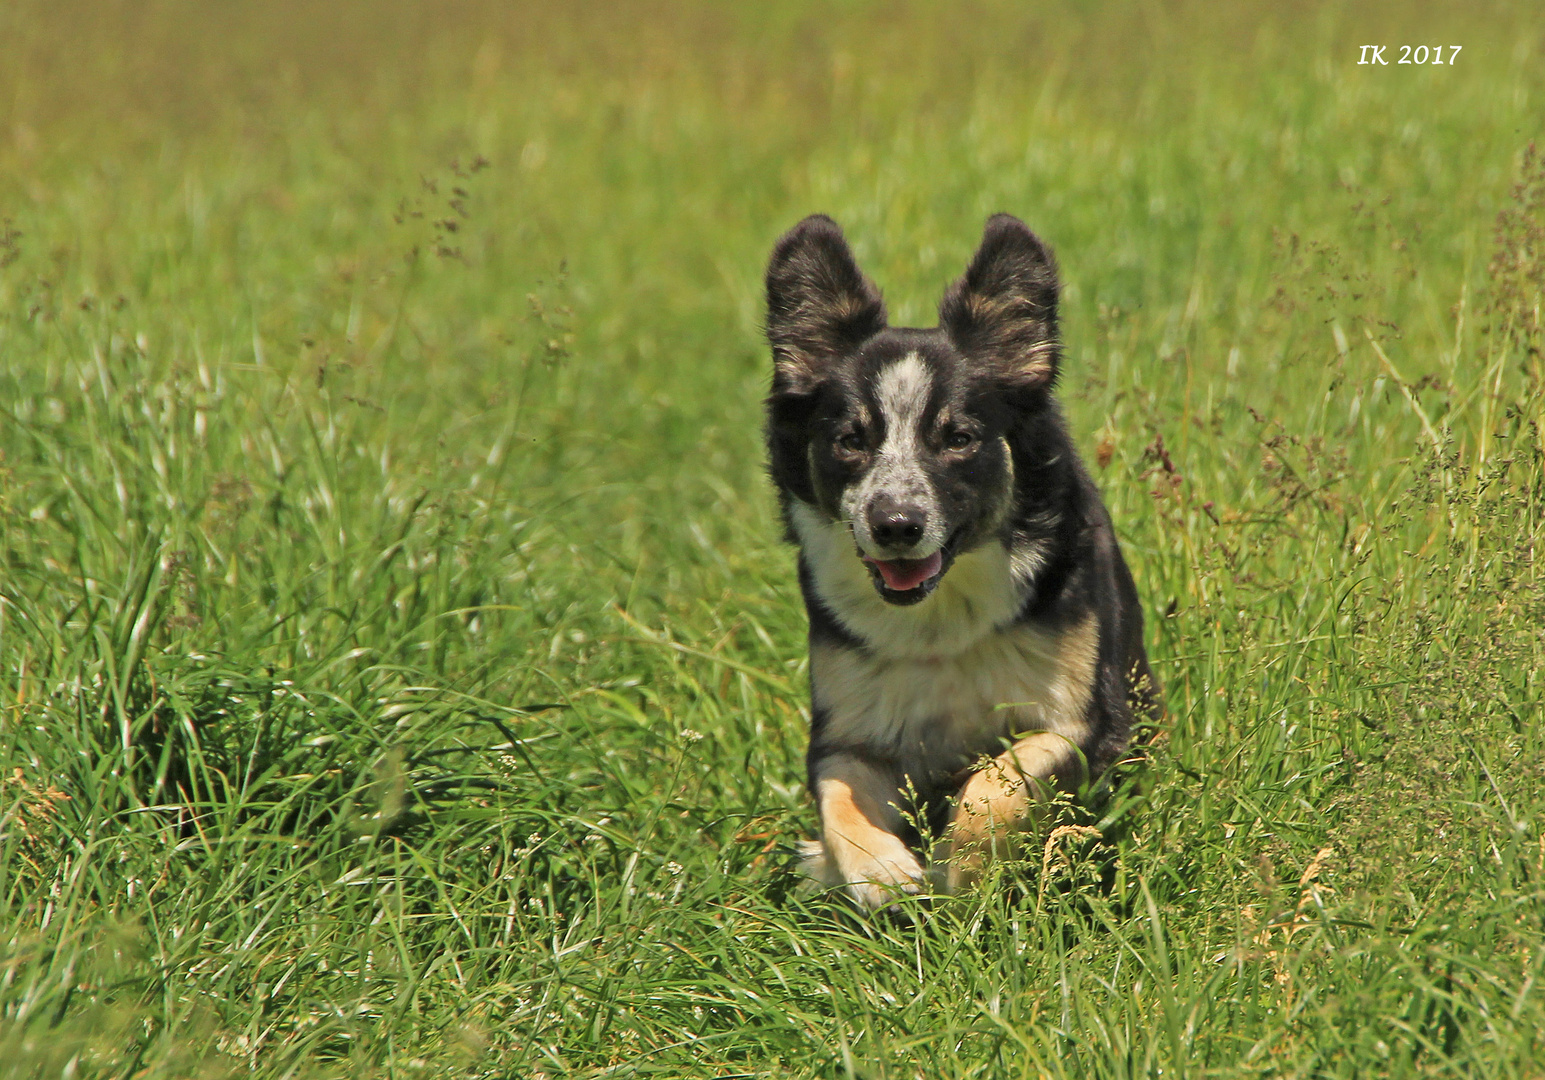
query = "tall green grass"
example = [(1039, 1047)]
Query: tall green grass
[(400, 672)]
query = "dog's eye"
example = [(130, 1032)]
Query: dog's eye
[(850, 442), (959, 440)]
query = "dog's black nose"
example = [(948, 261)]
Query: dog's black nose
[(895, 525)]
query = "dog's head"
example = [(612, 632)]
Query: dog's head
[(902, 434)]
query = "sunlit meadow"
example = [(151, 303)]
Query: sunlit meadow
[(401, 673)]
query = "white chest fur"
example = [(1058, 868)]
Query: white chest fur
[(942, 713), (981, 592), (945, 680)]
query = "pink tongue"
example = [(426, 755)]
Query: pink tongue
[(904, 575)]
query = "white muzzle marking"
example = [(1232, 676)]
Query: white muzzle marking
[(898, 471)]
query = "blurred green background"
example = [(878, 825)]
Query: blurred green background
[(400, 671)]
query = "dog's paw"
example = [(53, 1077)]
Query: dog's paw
[(817, 865), (876, 883)]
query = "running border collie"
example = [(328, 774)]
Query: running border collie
[(976, 640)]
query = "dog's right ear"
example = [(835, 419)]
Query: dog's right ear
[(820, 306)]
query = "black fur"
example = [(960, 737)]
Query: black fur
[(1002, 313)]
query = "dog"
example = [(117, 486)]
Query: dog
[(976, 640)]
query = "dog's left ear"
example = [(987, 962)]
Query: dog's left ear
[(820, 306), (1002, 313)]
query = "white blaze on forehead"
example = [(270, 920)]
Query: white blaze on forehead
[(902, 393)]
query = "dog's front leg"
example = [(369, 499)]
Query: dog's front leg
[(1000, 800), (860, 820)]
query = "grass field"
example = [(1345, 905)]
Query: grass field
[(400, 671)]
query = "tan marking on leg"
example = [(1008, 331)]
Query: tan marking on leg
[(1001, 801), (859, 819)]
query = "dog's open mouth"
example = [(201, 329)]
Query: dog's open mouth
[(906, 581)]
